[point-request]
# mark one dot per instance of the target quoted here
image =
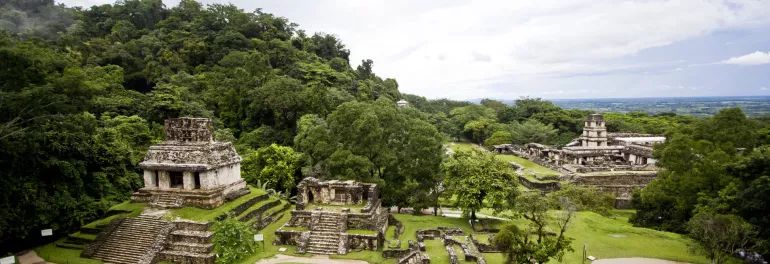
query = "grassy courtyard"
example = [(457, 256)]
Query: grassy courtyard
[(532, 170)]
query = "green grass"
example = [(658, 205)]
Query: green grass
[(52, 253), (464, 146), (614, 238), (91, 237), (204, 215), (605, 237), (134, 209), (528, 165)]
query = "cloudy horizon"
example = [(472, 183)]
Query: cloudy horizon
[(551, 49)]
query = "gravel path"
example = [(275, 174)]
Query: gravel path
[(634, 261), (318, 259)]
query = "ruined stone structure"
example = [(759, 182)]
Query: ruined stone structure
[(325, 213), (189, 168), (597, 150), (612, 162)]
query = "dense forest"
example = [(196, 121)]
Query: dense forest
[(84, 92)]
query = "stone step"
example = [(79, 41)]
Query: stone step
[(186, 254), (191, 247)]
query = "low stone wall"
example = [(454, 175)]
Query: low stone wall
[(414, 256), (188, 259), (484, 247), (618, 179), (182, 224), (300, 218), (542, 186), (363, 242), (396, 253), (258, 212), (452, 254), (242, 207), (288, 237), (267, 220)]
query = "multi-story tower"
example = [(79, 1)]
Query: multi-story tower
[(594, 132)]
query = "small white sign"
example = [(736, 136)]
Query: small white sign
[(591, 258), (8, 260), (46, 232), (259, 237), (283, 249)]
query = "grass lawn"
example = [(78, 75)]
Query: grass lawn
[(528, 165), (52, 253), (615, 237), (203, 215)]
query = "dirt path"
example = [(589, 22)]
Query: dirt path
[(634, 261), (318, 259), (30, 257)]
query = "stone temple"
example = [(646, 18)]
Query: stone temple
[(335, 217), (189, 168), (613, 162)]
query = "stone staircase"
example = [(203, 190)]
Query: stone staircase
[(135, 240), (166, 200), (190, 242), (325, 235), (323, 242)]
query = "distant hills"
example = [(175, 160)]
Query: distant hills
[(697, 106)]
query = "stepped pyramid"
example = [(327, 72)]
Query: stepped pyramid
[(131, 240)]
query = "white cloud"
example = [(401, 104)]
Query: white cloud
[(459, 48), (755, 58)]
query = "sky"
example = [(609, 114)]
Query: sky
[(554, 49)]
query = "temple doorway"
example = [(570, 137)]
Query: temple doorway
[(177, 179)]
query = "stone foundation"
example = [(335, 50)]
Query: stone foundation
[(207, 199)]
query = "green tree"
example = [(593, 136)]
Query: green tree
[(478, 180), (535, 244), (233, 240), (275, 165), (719, 236), (374, 142), (499, 137), (533, 131)]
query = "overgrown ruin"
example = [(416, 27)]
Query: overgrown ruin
[(335, 217), (189, 168), (612, 162)]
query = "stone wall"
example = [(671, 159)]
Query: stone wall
[(543, 186), (300, 218), (207, 199), (288, 237), (363, 242)]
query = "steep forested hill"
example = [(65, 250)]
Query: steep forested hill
[(83, 92)]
